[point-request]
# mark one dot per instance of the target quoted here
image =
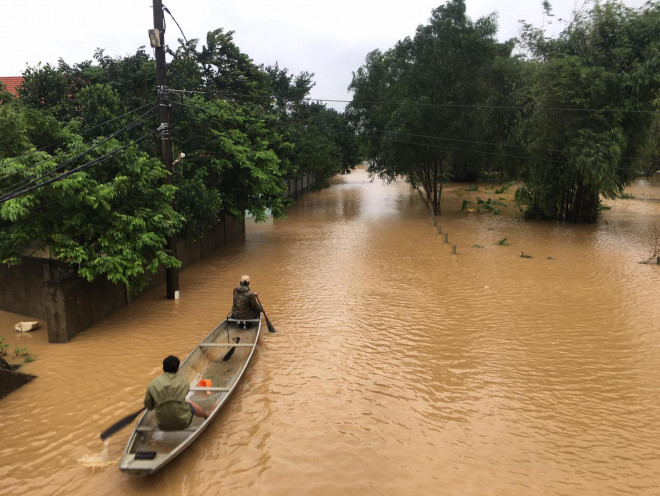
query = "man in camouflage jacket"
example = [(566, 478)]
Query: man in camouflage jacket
[(246, 305)]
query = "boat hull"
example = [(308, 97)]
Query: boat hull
[(213, 369)]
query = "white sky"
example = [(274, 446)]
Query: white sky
[(329, 39)]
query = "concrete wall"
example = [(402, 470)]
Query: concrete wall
[(298, 186), (51, 291)]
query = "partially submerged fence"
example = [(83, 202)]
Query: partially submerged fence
[(51, 291)]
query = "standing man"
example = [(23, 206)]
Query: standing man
[(246, 305), (167, 395)]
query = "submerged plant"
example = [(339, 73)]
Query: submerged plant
[(20, 352), (501, 190), (489, 205)]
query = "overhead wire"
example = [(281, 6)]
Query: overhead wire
[(354, 103), (372, 135), (492, 107), (165, 9), (17, 193), (440, 105), (32, 180), (86, 131)]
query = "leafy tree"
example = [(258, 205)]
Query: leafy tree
[(421, 101), (80, 180), (229, 165), (603, 71), (112, 219)]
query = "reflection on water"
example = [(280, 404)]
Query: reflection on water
[(398, 368)]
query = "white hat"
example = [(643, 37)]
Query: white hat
[(246, 279)]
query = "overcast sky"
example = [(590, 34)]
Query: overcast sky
[(329, 39)]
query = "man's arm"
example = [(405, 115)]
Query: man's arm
[(149, 402), (255, 303)]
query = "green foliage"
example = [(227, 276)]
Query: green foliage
[(501, 190), (605, 64), (18, 351), (450, 60), (483, 206), (112, 220), (245, 131), (14, 138), (229, 165), (251, 129), (502, 242), (21, 353)]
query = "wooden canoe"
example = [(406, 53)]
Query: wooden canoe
[(149, 448)]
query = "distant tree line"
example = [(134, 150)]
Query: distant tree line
[(573, 117), (80, 173)]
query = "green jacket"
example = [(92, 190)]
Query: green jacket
[(167, 395), (245, 305)]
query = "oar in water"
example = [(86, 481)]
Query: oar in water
[(120, 425), (271, 328)]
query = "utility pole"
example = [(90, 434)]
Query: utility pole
[(157, 37)]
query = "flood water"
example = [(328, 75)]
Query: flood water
[(398, 368)]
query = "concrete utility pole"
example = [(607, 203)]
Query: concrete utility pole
[(157, 37)]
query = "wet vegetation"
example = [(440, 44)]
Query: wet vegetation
[(21, 353), (571, 119), (80, 171), (574, 118), (482, 206)]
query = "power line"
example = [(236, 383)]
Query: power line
[(549, 150), (17, 193), (372, 136), (177, 24), (440, 105), (27, 181), (86, 131)]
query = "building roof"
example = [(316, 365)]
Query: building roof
[(12, 83)]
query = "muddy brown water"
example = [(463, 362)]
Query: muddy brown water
[(398, 368)]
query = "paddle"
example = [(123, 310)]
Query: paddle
[(231, 351), (120, 425), (270, 326)]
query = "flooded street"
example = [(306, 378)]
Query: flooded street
[(398, 368)]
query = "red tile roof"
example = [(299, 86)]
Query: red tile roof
[(12, 83)]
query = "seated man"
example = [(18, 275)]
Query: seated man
[(246, 305), (167, 395)]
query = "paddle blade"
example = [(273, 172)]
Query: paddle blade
[(231, 351), (271, 328), (120, 425)]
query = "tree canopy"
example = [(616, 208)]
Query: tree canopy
[(419, 101), (573, 117), (80, 174)]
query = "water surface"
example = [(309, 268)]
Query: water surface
[(398, 368)]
